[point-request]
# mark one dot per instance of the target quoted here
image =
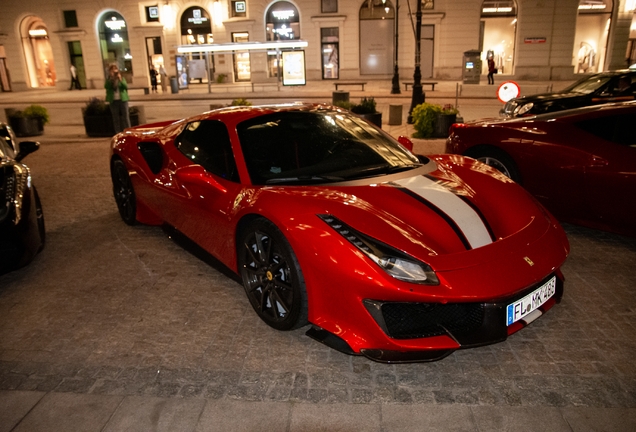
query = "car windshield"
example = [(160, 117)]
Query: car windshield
[(318, 146), (588, 85)]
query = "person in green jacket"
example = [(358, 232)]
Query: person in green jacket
[(117, 96)]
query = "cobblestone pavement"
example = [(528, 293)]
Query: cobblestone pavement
[(112, 310)]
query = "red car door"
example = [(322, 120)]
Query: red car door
[(206, 184), (611, 173)]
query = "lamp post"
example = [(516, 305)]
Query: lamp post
[(418, 95), (396, 75)]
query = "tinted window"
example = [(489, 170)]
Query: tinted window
[(318, 146), (7, 142), (619, 129), (588, 85), (207, 143)]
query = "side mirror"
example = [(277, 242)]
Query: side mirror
[(406, 142), (26, 148)]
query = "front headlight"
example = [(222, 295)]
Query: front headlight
[(522, 109), (396, 263)]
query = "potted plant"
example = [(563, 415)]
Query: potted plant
[(430, 120), (241, 102), (30, 121), (220, 78), (444, 120), (98, 121), (367, 110)]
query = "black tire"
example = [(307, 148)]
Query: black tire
[(124, 193), (271, 276), (40, 218), (497, 159)]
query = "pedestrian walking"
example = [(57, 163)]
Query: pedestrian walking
[(491, 70), (153, 78), (117, 96), (74, 78)]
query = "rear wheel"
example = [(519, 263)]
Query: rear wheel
[(271, 275), (497, 159), (124, 193)]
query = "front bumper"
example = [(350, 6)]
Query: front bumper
[(464, 325)]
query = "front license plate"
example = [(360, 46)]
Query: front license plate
[(519, 309)]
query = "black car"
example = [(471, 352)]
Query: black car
[(21, 218), (604, 87)]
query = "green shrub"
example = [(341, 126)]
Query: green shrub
[(366, 106), (95, 107), (424, 119), (220, 78), (344, 104), (241, 102), (33, 111)]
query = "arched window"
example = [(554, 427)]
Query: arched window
[(498, 30), (377, 33), (196, 27), (38, 52), (282, 23), (590, 40), (113, 40)]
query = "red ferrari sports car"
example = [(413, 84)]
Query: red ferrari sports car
[(580, 163), (329, 221)]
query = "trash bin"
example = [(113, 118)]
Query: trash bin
[(174, 85), (339, 96), (471, 73), (395, 115)]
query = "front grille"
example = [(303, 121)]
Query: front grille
[(419, 320)]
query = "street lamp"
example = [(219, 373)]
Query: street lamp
[(396, 75), (418, 95)]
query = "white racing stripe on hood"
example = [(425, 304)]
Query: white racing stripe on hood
[(461, 213)]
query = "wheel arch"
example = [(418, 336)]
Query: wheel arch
[(494, 150)]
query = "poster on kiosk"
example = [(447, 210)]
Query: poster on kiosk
[(293, 67)]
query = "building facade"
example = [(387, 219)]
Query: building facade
[(345, 39)]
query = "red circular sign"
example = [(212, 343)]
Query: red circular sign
[(507, 91)]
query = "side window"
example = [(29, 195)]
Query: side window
[(619, 129), (7, 148), (207, 143)]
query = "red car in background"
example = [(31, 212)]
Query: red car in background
[(580, 163)]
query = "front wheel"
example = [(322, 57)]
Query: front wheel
[(271, 276), (497, 159), (124, 193)]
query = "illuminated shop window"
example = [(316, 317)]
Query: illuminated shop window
[(196, 29), (498, 31), (590, 39), (377, 33), (282, 23)]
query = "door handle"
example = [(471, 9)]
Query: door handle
[(599, 161)]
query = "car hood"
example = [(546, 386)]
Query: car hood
[(462, 214)]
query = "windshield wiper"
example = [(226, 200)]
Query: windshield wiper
[(308, 178)]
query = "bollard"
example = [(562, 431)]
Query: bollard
[(395, 115)]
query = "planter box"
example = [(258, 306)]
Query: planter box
[(26, 126), (375, 118), (102, 125), (443, 122)]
